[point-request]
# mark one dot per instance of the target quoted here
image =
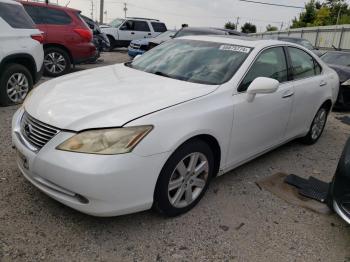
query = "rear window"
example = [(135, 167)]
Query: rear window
[(43, 15), (159, 27), (16, 16)]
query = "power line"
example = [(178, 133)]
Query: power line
[(265, 3)]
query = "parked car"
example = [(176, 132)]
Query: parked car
[(301, 41), (100, 39), (67, 38), (339, 193), (156, 130), (21, 53), (232, 32), (340, 62), (186, 31), (121, 32), (140, 46)]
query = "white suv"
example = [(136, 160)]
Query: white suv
[(21, 53), (122, 31)]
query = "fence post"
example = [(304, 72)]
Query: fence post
[(316, 40), (341, 37)]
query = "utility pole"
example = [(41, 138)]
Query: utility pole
[(125, 9), (92, 9), (237, 22), (101, 11), (339, 14)]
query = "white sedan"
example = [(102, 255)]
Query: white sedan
[(155, 131)]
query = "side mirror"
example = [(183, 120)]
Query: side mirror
[(172, 36), (123, 27), (261, 85), (137, 57)]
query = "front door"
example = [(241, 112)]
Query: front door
[(261, 124)]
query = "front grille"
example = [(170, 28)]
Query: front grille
[(135, 46), (35, 132)]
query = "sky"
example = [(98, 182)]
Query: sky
[(212, 13)]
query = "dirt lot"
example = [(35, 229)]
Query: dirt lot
[(235, 221)]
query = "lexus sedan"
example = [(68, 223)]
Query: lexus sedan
[(154, 132)]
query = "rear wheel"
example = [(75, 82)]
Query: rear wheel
[(184, 178), (56, 62), (111, 43), (15, 84), (317, 126)]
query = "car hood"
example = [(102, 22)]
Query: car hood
[(143, 41), (343, 72), (107, 97)]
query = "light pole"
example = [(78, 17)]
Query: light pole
[(101, 11)]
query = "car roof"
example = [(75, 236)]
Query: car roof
[(239, 40), (51, 5), (10, 2)]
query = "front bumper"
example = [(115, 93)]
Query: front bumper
[(134, 52), (99, 185)]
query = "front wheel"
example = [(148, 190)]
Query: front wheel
[(184, 178), (317, 127)]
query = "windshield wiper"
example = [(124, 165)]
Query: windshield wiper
[(128, 64), (161, 74)]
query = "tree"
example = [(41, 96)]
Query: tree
[(270, 28), (330, 12), (230, 25), (248, 28)]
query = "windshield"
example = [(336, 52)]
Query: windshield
[(342, 59), (116, 22), (193, 61)]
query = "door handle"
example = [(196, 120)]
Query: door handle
[(149, 34), (323, 83), (288, 94), (132, 33)]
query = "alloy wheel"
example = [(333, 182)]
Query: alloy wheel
[(318, 124), (17, 87), (188, 180), (55, 63)]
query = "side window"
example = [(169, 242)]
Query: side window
[(303, 64), (271, 63), (128, 26), (16, 16), (55, 17), (159, 27), (35, 13), (141, 26)]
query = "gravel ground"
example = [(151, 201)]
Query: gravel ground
[(235, 221)]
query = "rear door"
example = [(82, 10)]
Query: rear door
[(308, 83), (158, 28), (36, 13), (134, 29)]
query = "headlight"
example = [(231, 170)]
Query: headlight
[(106, 141), (346, 83)]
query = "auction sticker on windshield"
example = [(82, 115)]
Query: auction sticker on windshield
[(235, 48)]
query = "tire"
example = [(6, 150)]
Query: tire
[(56, 62), (111, 43), (188, 187), (15, 83), (317, 127)]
